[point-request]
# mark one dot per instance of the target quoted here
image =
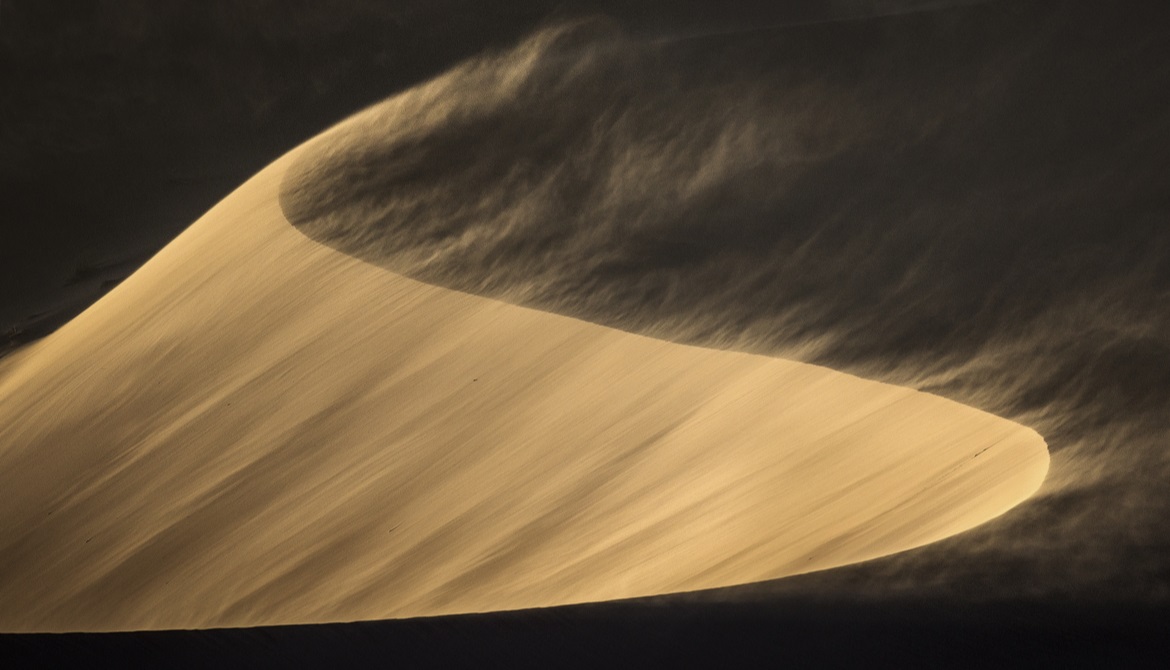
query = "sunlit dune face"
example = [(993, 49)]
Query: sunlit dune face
[(258, 429)]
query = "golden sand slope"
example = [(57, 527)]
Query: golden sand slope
[(256, 429)]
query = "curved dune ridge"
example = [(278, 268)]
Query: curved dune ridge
[(257, 429)]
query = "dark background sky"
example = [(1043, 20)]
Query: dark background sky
[(121, 121)]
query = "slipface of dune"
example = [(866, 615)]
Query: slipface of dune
[(257, 429)]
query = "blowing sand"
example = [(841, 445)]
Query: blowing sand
[(256, 429)]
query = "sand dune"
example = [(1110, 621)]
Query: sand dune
[(256, 429)]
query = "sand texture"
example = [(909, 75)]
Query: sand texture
[(257, 429)]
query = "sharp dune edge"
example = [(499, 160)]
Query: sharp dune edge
[(257, 429)]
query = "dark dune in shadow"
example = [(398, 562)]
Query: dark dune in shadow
[(971, 201)]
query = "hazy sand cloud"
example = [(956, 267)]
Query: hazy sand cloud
[(954, 204)]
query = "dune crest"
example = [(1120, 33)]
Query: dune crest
[(256, 429)]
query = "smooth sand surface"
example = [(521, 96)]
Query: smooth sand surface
[(256, 429)]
